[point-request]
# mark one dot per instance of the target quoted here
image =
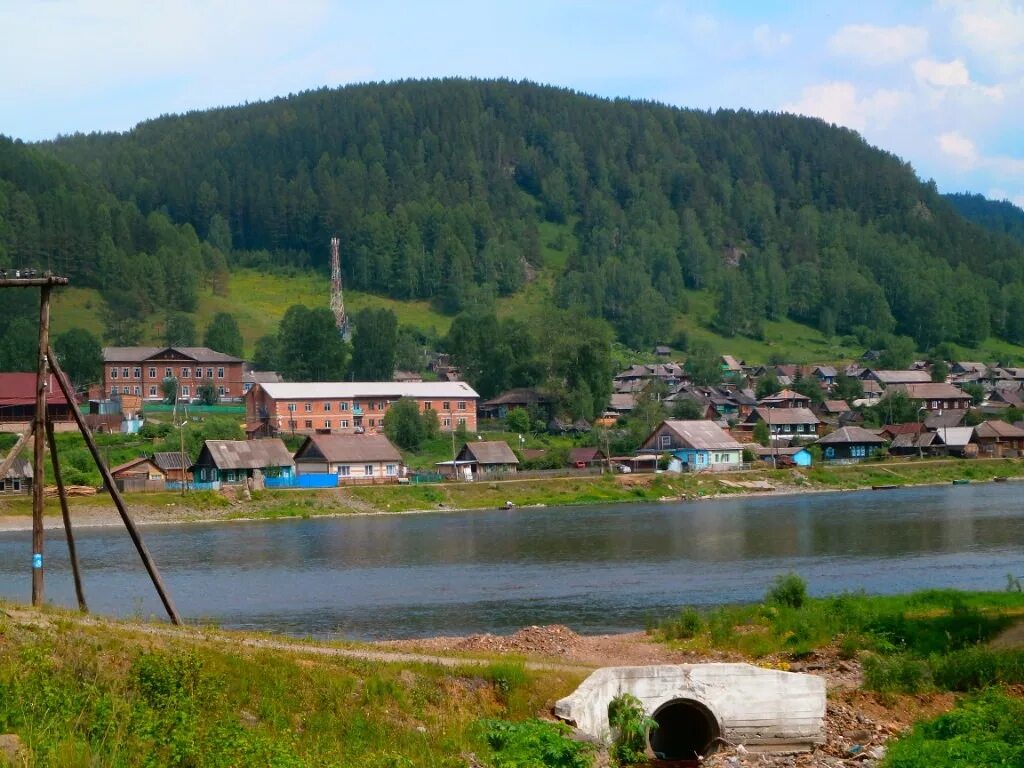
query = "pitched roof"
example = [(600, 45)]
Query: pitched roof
[(342, 390), (140, 354), (785, 394), (955, 437), (20, 389), (622, 401), (249, 454), (998, 429), (780, 450), (134, 463), (784, 416), (701, 435), (490, 452), (19, 468), (912, 440), (168, 460), (835, 406), (585, 455), (951, 417), (516, 396), (827, 371), (340, 449), (930, 391), (902, 377), (851, 435)]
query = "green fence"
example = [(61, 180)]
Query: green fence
[(196, 410)]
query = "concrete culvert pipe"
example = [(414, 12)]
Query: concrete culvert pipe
[(686, 730)]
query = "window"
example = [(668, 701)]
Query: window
[(209, 373), (152, 373), (221, 391), (309, 423), (246, 387), (136, 373), (168, 373), (462, 421), (152, 391), (184, 392), (113, 391), (664, 441), (230, 476), (935, 404), (343, 423), (307, 407), (124, 373), (327, 423), (858, 451), (327, 407), (185, 372), (17, 483), (220, 373), (830, 452), (462, 405), (446, 422), (373, 422), (344, 470), (368, 470), (291, 407), (137, 391), (113, 373), (342, 406), (392, 470), (446, 405)]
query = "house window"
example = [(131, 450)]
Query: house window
[(291, 407), (168, 373), (327, 407), (221, 391), (185, 372), (342, 406), (344, 470), (152, 391), (124, 373), (184, 392), (136, 373), (665, 441), (17, 483), (113, 373), (113, 391), (427, 405), (209, 373), (138, 391), (446, 422), (220, 373), (462, 405), (858, 451), (446, 405), (343, 423), (309, 423), (246, 387), (327, 423), (935, 404), (830, 452), (231, 476), (392, 470), (307, 407), (373, 422), (368, 470), (152, 373), (462, 421)]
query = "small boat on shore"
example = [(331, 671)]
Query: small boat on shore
[(962, 481), (883, 487), (1000, 479)]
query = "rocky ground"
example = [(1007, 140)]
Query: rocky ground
[(857, 723)]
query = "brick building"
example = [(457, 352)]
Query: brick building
[(142, 370), (352, 407)]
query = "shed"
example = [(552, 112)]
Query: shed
[(141, 474), (351, 458), (175, 465)]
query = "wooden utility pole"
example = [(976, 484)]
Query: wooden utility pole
[(39, 449), (66, 514)]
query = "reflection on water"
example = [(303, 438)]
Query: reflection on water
[(598, 568)]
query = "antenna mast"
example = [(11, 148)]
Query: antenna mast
[(337, 297)]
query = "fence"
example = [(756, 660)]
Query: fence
[(537, 474), (138, 484), (195, 410), (309, 480)]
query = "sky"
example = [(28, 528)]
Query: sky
[(940, 83)]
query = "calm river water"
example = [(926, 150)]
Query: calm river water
[(594, 568)]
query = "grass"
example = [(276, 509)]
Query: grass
[(105, 695)]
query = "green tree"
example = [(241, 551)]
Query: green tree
[(703, 364), (309, 347), (224, 335), (975, 390), (897, 354), (266, 355), (179, 330), (19, 346), (169, 389), (374, 343), (687, 409), (404, 425), (518, 420), (80, 355), (847, 388), (207, 393), (940, 371), (767, 385), (761, 435)]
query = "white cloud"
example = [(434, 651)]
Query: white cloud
[(958, 147), (942, 74), (877, 46), (838, 102), (769, 41), (994, 31)]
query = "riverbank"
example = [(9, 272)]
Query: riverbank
[(167, 507)]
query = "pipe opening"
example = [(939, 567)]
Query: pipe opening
[(687, 730)]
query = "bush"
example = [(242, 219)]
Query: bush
[(630, 726), (688, 624), (534, 744), (900, 673), (789, 590), (974, 668)]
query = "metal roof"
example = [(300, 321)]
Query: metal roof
[(19, 468), (142, 354), (490, 452), (998, 429), (785, 416), (249, 454), (347, 390), (851, 435), (168, 460)]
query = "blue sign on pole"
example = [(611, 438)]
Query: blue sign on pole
[(37, 560)]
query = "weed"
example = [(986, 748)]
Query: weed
[(630, 728), (898, 673), (789, 590), (534, 744)]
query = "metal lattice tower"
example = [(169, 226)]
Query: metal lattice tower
[(337, 297)]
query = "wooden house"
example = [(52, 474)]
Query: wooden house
[(174, 465), (481, 458), (18, 403), (787, 398), (998, 439), (784, 422), (141, 474), (935, 396), (850, 444), (696, 445), (351, 458), (18, 479), (234, 462), (582, 458)]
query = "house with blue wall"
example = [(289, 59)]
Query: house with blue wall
[(696, 446), (233, 462)]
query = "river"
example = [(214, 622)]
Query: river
[(599, 568)]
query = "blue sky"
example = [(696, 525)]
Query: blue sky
[(939, 83)]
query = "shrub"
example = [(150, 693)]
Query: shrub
[(898, 673), (630, 726), (534, 744), (973, 668), (789, 590), (687, 625)]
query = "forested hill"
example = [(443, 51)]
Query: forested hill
[(437, 189), (999, 216)]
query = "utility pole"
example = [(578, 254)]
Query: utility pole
[(38, 465)]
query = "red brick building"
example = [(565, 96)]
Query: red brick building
[(351, 407), (142, 370)]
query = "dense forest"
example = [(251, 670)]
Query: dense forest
[(438, 188), (996, 215)]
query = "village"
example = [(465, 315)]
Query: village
[(315, 435)]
